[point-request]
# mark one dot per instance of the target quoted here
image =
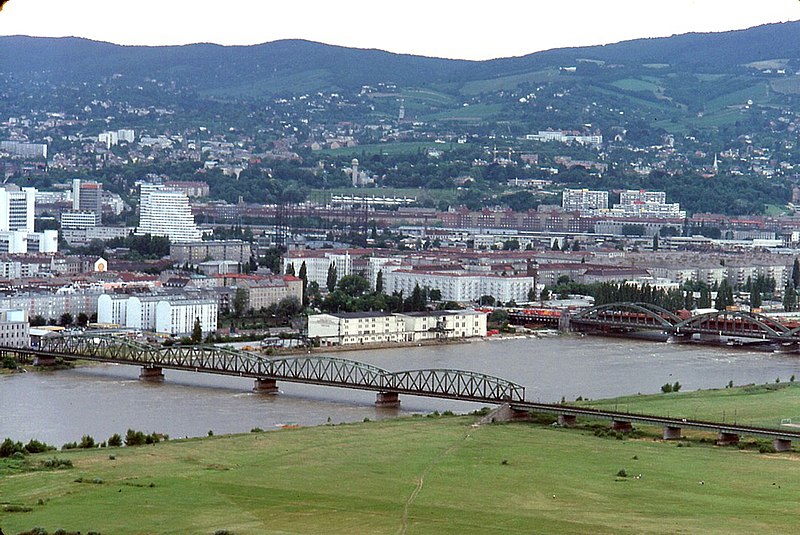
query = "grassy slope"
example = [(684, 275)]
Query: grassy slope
[(764, 405), (413, 475)]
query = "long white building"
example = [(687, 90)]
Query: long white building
[(460, 286), (163, 314), (382, 327), (166, 212)]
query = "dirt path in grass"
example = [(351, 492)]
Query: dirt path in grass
[(421, 482)]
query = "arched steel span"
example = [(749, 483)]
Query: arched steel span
[(628, 315), (735, 323), (310, 369), (643, 316)]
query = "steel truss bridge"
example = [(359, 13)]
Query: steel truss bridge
[(628, 317), (315, 370)]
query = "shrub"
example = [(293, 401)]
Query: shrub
[(622, 473), (70, 446), (259, 430), (666, 388), (55, 462), (10, 508)]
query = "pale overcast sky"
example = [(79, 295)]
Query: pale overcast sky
[(456, 29)]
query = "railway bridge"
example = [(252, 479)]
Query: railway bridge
[(735, 325)]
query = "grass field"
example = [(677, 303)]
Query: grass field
[(763, 405), (636, 84), (413, 475)]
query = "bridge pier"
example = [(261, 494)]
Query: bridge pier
[(387, 400), (151, 374), (567, 420), (681, 338), (44, 360), (727, 439), (265, 385), (622, 426), (782, 444), (672, 432)]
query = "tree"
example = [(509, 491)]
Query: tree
[(197, 332), (353, 285), (38, 321), (655, 242), (330, 282), (789, 297), (304, 277), (545, 295), (796, 273), (65, 320), (379, 282), (115, 441), (290, 270), (724, 296), (240, 299), (531, 295), (755, 297), (83, 319)]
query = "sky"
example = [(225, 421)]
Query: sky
[(462, 29)]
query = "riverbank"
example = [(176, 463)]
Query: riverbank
[(408, 475)]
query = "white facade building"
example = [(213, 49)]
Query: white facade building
[(177, 317), (317, 264), (14, 328), (78, 219), (460, 286), (166, 212), (164, 314), (643, 203), (17, 208), (382, 327), (584, 200)]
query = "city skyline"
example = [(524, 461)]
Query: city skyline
[(429, 29)]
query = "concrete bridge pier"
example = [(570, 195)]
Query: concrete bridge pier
[(265, 385), (679, 338), (782, 444), (567, 420), (623, 426), (151, 374), (727, 439), (387, 400), (44, 360), (672, 432)]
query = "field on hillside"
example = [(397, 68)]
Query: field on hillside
[(414, 475)]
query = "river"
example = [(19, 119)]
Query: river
[(61, 406)]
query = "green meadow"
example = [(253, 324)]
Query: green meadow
[(420, 475)]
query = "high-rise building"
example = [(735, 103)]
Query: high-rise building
[(584, 200), (87, 196), (17, 208), (166, 212)]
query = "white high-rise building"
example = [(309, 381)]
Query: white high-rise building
[(584, 200), (166, 212), (17, 208)]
